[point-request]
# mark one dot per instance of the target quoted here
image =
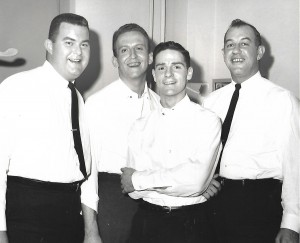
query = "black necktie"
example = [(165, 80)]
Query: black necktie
[(227, 122), (76, 130)]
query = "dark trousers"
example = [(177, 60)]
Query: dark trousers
[(115, 210), (37, 213), (188, 225), (247, 211)]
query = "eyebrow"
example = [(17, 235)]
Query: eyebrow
[(245, 38), (69, 38), (174, 63)]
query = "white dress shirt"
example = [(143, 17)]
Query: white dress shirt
[(264, 138), (110, 113), (174, 152), (36, 137)]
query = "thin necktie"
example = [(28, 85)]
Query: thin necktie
[(227, 122), (76, 130)]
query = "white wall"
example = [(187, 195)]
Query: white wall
[(276, 20), (104, 18), (24, 25)]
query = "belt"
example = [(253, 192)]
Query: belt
[(248, 182), (47, 185), (168, 209)]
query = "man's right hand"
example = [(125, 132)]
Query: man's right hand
[(213, 188), (3, 237)]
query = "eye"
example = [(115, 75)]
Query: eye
[(68, 43), (140, 48), (229, 45), (85, 45), (244, 44), (176, 67), (160, 68), (123, 50)]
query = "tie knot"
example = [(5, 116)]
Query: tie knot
[(238, 86), (71, 85)]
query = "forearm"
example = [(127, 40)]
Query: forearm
[(90, 222)]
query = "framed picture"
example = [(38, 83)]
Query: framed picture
[(219, 83)]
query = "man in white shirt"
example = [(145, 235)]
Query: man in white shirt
[(111, 112), (40, 169), (171, 157), (259, 168)]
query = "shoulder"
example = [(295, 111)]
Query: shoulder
[(204, 114), (105, 94), (21, 81), (276, 93)]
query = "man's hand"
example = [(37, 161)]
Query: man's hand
[(287, 236), (126, 182), (213, 188), (3, 237)]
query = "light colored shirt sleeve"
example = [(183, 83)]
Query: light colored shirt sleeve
[(290, 142), (89, 189), (190, 177), (5, 141)]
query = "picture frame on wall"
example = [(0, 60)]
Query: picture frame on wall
[(219, 83)]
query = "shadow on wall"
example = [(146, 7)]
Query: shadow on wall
[(93, 70), (267, 61), (15, 63)]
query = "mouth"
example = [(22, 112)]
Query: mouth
[(134, 64), (169, 82), (237, 60)]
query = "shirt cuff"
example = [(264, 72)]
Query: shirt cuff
[(89, 199), (290, 221), (137, 181), (3, 220)]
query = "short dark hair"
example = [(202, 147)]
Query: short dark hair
[(171, 45), (128, 28), (236, 23), (65, 18)]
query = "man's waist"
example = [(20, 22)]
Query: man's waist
[(168, 209), (263, 182), (47, 185)]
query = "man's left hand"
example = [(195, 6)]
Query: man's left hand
[(287, 236), (126, 182)]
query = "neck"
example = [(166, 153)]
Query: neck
[(136, 85)]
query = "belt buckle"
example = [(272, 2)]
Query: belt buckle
[(169, 209), (77, 186)]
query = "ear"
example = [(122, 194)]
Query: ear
[(222, 50), (114, 61), (150, 58), (260, 52), (153, 74), (189, 73), (48, 44)]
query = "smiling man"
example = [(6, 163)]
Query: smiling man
[(171, 157), (111, 112), (40, 169), (259, 167)]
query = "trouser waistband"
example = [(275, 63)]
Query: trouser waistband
[(74, 186)]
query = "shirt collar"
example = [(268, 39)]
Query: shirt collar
[(53, 76), (131, 94), (181, 105), (251, 82)]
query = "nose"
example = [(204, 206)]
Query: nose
[(236, 49), (133, 53), (77, 50), (169, 72)]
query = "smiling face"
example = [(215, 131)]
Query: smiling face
[(133, 56), (70, 52), (241, 54), (171, 75)]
